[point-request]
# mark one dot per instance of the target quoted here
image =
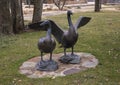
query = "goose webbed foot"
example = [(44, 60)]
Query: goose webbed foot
[(70, 58), (72, 54), (48, 65)]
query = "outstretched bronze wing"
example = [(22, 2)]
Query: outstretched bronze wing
[(56, 31), (81, 22), (36, 26)]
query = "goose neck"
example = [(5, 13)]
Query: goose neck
[(69, 20), (49, 32)]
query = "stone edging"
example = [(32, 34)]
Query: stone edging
[(87, 61)]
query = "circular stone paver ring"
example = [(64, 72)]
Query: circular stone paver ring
[(87, 60)]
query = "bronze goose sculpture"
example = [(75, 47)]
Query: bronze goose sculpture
[(47, 45), (68, 38)]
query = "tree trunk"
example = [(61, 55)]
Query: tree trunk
[(5, 19), (37, 13), (97, 5), (100, 4), (17, 16)]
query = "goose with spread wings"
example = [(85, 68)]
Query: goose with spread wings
[(68, 38)]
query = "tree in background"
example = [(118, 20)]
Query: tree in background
[(97, 5), (59, 3), (37, 13), (11, 17), (5, 18), (17, 16)]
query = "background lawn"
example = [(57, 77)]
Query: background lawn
[(100, 37)]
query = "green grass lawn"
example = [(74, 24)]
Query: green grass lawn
[(100, 37)]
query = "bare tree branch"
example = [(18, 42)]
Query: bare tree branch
[(59, 3)]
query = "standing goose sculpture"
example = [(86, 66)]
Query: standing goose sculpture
[(47, 45), (68, 38)]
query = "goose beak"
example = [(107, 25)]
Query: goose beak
[(69, 12)]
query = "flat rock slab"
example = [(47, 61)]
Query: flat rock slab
[(87, 60)]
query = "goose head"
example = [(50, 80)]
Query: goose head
[(47, 25), (69, 13)]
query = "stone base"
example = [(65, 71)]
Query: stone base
[(70, 59), (48, 65), (28, 68)]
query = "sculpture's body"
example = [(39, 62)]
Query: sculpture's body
[(68, 38), (47, 45)]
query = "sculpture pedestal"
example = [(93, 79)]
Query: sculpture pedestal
[(48, 65), (70, 59)]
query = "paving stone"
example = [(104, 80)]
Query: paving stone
[(28, 64), (90, 63), (71, 71)]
